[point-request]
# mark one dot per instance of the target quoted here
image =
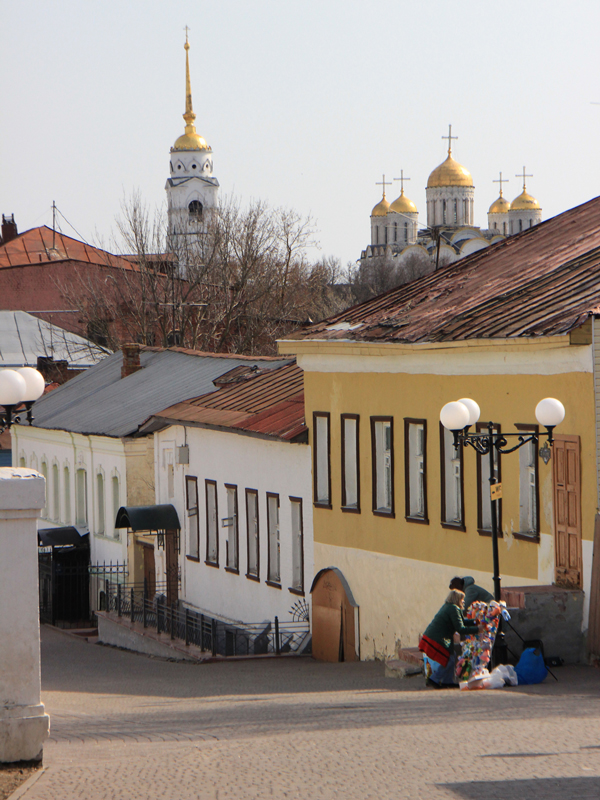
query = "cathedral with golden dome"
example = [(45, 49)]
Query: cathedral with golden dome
[(450, 232), (192, 190)]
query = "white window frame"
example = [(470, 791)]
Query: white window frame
[(529, 512), (212, 523), (101, 503), (297, 545), (415, 469), (253, 535), (232, 543), (322, 458), (451, 458), (192, 506), (350, 429), (382, 449), (274, 540)]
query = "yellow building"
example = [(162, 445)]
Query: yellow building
[(396, 510)]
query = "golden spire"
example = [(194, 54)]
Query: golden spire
[(190, 140)]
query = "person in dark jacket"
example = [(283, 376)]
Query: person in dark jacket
[(471, 590), (436, 642)]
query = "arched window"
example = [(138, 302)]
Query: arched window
[(495, 226), (377, 234), (530, 223), (22, 462), (195, 208), (455, 212), (520, 225), (81, 498), (395, 231), (385, 234), (100, 501), (44, 471), (67, 490), (443, 212), (504, 228), (55, 493), (115, 503), (406, 231)]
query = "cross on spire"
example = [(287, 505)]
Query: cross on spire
[(501, 180), (449, 137), (402, 179), (186, 29), (383, 183), (524, 176)]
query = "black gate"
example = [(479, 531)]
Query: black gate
[(64, 581)]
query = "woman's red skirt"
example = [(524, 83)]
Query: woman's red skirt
[(434, 650)]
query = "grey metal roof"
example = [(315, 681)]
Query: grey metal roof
[(100, 402), (24, 337)]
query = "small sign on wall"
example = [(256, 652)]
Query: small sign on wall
[(496, 491)]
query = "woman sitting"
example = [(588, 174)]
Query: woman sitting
[(436, 642)]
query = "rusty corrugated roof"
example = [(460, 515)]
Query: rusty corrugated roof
[(270, 402), (43, 245), (543, 281)]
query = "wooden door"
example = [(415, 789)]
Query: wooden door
[(333, 619), (567, 511), (172, 567), (149, 571)]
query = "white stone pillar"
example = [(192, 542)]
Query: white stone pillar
[(23, 723)]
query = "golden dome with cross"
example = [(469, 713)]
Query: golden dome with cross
[(524, 202), (450, 172), (402, 205)]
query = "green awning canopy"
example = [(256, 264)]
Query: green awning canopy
[(148, 518)]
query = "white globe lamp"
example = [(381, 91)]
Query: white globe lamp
[(473, 407), (455, 416), (550, 412), (12, 388), (34, 382)]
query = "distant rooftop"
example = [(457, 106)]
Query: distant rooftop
[(100, 402), (24, 337), (43, 245)]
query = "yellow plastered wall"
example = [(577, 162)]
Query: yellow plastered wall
[(504, 399)]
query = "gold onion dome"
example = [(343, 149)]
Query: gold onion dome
[(402, 205), (450, 173), (499, 206), (382, 208), (190, 140), (525, 202)]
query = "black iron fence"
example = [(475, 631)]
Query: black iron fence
[(211, 635)]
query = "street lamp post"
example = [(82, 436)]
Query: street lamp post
[(458, 416), (19, 387)]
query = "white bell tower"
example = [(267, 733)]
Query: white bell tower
[(192, 190)]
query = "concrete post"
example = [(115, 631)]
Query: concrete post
[(23, 723)]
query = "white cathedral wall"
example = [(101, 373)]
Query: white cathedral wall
[(528, 219), (498, 222), (464, 197), (397, 235)]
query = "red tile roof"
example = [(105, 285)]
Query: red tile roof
[(43, 245), (270, 402), (543, 281)]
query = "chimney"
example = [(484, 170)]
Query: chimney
[(55, 371), (131, 359), (9, 229)]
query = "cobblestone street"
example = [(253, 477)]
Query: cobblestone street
[(128, 726)]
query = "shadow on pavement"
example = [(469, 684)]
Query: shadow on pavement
[(548, 788)]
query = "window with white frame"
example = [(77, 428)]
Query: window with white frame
[(415, 469), (101, 502), (382, 448), (116, 503), (452, 481), (81, 513), (231, 523), (321, 462), (55, 493), (191, 494), (297, 545), (350, 463), (528, 485), (212, 529), (252, 532), (67, 495), (484, 498), (273, 567)]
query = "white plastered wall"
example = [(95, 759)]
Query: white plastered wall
[(246, 462)]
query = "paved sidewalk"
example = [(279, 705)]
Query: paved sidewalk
[(128, 726)]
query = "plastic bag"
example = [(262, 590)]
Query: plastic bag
[(531, 667), (495, 680), (508, 673)]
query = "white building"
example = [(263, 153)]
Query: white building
[(192, 190), (450, 226), (243, 494)]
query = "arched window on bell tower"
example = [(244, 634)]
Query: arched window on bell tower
[(195, 208)]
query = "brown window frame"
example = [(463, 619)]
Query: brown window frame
[(228, 568), (327, 415), (454, 526), (392, 512), (346, 508), (191, 512), (535, 536), (269, 581), (424, 520), (481, 427), (294, 589), (250, 575), (208, 482)]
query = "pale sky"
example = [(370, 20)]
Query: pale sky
[(304, 104)]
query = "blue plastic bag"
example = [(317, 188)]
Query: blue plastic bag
[(531, 667)]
